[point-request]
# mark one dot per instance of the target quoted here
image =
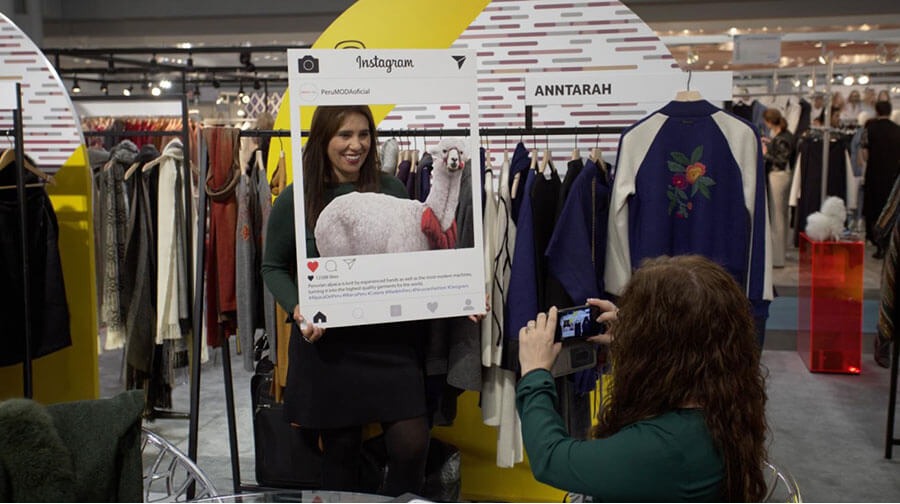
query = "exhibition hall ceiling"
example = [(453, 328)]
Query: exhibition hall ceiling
[(861, 36)]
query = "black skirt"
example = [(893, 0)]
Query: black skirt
[(356, 375)]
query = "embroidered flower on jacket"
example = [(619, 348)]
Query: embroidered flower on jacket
[(689, 174)]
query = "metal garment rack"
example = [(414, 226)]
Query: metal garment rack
[(529, 130), (184, 133), (18, 144)]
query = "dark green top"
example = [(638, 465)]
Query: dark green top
[(666, 458), (280, 257)]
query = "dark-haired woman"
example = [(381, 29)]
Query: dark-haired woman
[(779, 157), (685, 417), (345, 378)]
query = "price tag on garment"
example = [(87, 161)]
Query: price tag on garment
[(586, 88), (7, 95), (373, 265), (757, 48)]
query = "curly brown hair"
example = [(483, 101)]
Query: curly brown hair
[(317, 171), (685, 335)]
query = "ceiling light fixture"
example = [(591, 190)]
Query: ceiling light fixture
[(165, 84), (104, 88), (849, 80), (863, 79), (215, 82), (241, 90), (76, 88), (127, 91)]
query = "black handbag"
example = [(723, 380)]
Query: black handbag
[(286, 456)]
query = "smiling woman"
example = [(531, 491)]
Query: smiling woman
[(358, 375)]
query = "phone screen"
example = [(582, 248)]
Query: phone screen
[(577, 323)]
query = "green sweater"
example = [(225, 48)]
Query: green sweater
[(666, 458), (279, 262)]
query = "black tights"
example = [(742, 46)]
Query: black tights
[(406, 442)]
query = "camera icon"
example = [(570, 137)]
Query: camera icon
[(308, 64)]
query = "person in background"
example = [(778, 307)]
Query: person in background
[(817, 110), (868, 103), (685, 417), (881, 157), (349, 377), (852, 108), (883, 95), (778, 152)]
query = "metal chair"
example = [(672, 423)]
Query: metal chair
[(781, 486), (169, 473)]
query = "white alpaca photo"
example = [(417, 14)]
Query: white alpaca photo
[(372, 223)]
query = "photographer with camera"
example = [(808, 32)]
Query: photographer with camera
[(685, 416)]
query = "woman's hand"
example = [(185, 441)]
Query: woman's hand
[(537, 350), (610, 313), (308, 331), (478, 317)]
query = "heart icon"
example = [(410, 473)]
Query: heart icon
[(432, 306), (312, 265), (310, 277)]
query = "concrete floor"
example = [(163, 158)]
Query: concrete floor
[(828, 430)]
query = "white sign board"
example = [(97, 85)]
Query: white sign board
[(360, 289), (757, 49), (7, 95), (562, 88)]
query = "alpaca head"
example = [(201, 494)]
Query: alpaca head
[(450, 153)]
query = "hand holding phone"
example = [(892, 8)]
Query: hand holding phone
[(578, 323)]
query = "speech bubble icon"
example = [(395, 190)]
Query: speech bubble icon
[(330, 266)]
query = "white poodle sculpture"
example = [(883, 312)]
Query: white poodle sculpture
[(371, 223)]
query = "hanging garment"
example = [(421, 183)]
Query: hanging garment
[(172, 247), (426, 165), (224, 174), (806, 185), (251, 313), (518, 173), (544, 202), (887, 310), (389, 153), (264, 198), (522, 298), (114, 217), (577, 250), (489, 239), (48, 310), (403, 170), (140, 268), (690, 180), (805, 119)]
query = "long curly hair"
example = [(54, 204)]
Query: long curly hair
[(685, 335), (318, 174)]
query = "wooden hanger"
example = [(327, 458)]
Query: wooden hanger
[(534, 162), (131, 169), (151, 164), (687, 95), (9, 157), (545, 162), (260, 163)]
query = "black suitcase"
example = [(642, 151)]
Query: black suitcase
[(286, 457)]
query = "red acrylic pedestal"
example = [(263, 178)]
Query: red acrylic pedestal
[(829, 300)]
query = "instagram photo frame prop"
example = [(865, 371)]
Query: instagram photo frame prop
[(385, 286)]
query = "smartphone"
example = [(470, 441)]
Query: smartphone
[(578, 323)]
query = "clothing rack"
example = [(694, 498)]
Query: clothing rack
[(529, 130), (18, 136), (184, 133)]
